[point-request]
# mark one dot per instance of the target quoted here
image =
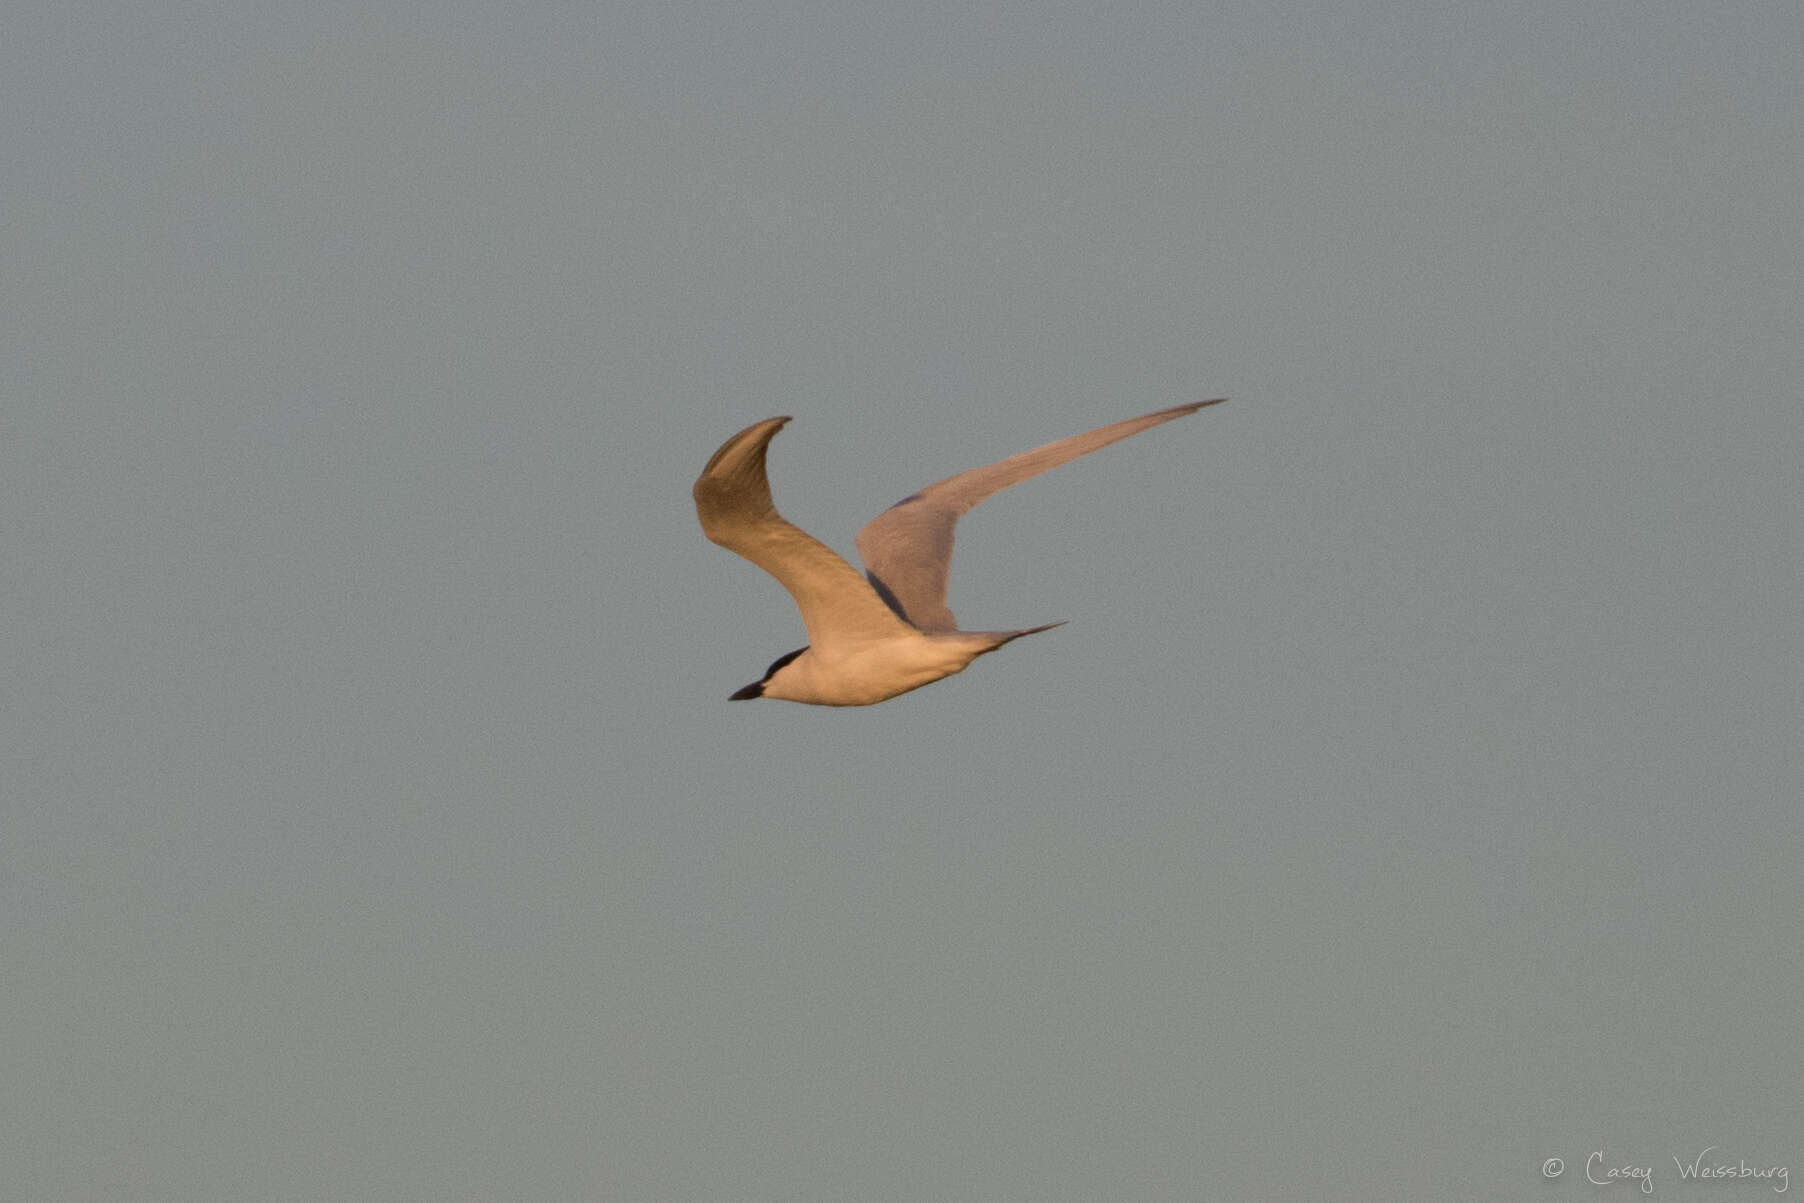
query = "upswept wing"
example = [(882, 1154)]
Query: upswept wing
[(732, 499), (907, 549)]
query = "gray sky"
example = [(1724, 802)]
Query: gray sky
[(1413, 796)]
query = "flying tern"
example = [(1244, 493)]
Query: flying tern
[(869, 640)]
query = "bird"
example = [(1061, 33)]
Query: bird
[(873, 637)]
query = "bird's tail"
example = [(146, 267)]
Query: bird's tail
[(999, 638)]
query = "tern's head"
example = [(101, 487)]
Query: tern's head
[(756, 688)]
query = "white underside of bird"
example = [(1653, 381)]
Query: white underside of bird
[(871, 639)]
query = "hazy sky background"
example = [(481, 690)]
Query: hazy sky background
[(1413, 797)]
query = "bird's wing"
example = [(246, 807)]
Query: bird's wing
[(907, 549), (732, 498)]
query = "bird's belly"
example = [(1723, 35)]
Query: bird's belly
[(871, 673)]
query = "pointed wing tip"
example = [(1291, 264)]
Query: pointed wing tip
[(1181, 411), (758, 433), (766, 429)]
